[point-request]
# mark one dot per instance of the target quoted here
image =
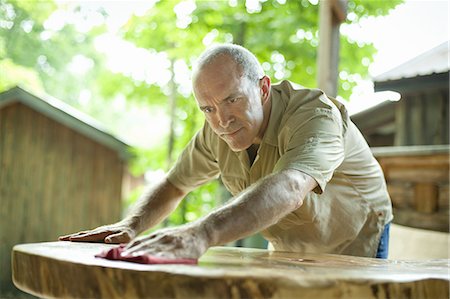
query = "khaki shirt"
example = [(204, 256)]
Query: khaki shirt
[(312, 133)]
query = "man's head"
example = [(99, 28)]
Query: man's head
[(233, 92)]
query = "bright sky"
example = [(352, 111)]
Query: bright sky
[(411, 29), (414, 27)]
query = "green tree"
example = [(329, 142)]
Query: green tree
[(38, 55), (282, 34)]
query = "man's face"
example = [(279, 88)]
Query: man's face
[(231, 103)]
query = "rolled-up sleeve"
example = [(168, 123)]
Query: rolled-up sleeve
[(313, 144), (197, 163)]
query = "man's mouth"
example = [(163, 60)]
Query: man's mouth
[(231, 134)]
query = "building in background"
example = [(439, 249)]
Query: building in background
[(410, 138), (60, 173), (421, 116)]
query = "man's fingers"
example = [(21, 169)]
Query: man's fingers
[(64, 238), (146, 245), (133, 244), (67, 237), (134, 247), (115, 233), (90, 236), (140, 241), (121, 237)]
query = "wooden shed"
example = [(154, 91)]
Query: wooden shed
[(421, 116), (410, 138), (60, 172), (418, 182)]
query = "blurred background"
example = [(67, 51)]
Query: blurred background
[(96, 102)]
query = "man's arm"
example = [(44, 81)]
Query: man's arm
[(255, 209), (152, 207), (259, 207)]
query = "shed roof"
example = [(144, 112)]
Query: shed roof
[(433, 61), (65, 114), (376, 118)]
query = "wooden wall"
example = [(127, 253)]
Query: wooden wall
[(418, 183), (422, 118), (53, 181), (377, 124)]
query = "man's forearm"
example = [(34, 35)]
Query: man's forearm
[(153, 206), (259, 207)]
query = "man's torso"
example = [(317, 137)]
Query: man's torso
[(311, 133)]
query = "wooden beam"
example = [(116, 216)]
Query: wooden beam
[(422, 84), (400, 123), (426, 197), (339, 10), (417, 178), (331, 14), (411, 218)]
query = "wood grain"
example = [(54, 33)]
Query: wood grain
[(429, 191), (53, 181), (418, 182), (70, 270)]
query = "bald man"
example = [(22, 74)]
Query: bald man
[(299, 171)]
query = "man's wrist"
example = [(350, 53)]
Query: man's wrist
[(133, 223), (206, 232)]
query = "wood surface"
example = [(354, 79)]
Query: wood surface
[(70, 270)]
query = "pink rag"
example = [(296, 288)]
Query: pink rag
[(115, 254)]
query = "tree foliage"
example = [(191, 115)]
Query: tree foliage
[(284, 37), (33, 52), (282, 34)]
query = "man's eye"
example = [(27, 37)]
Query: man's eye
[(207, 110), (233, 100)]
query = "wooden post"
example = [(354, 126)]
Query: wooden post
[(400, 122), (426, 197), (331, 14), (416, 122), (172, 109)]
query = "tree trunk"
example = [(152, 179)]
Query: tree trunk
[(172, 111)]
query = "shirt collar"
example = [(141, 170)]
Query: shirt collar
[(276, 114)]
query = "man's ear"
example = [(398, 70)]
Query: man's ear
[(264, 84)]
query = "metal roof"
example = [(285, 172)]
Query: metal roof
[(67, 115), (379, 118), (433, 61)]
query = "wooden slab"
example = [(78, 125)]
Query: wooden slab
[(70, 270)]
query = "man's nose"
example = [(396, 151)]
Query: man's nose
[(225, 117)]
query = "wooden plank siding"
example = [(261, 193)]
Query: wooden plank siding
[(421, 117), (418, 184), (53, 181), (426, 118)]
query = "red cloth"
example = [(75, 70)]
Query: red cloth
[(115, 254)]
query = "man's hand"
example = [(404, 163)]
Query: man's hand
[(187, 241), (115, 233), (154, 205)]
